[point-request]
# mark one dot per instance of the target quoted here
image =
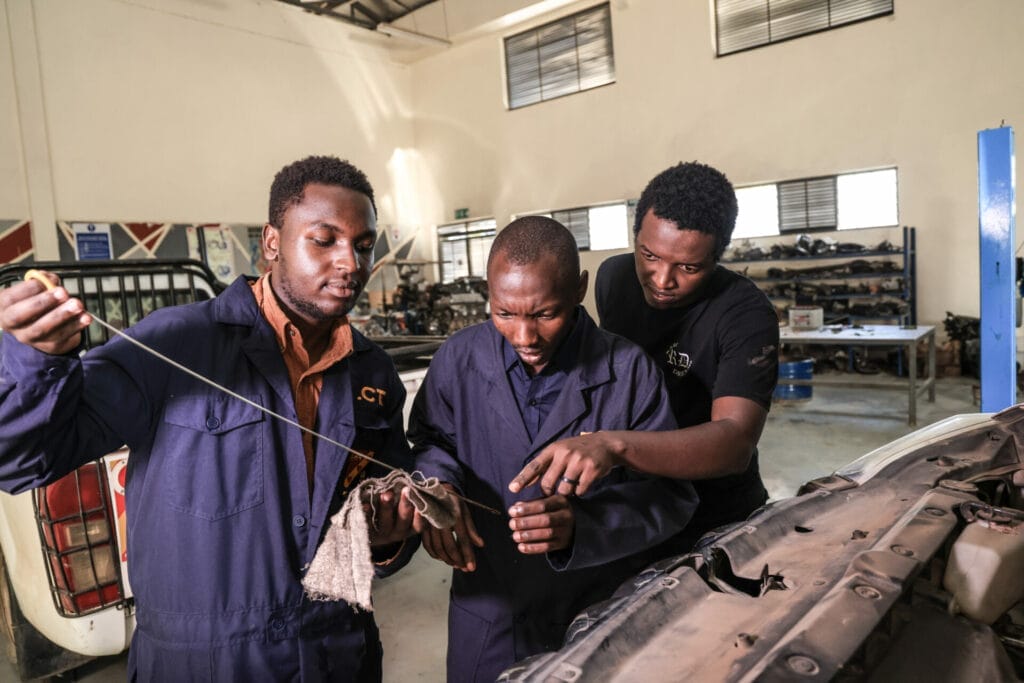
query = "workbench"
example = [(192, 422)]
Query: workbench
[(905, 338)]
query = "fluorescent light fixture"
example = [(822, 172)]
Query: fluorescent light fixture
[(422, 38)]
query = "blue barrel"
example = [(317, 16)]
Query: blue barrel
[(794, 369)]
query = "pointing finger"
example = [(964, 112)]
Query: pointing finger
[(529, 474)]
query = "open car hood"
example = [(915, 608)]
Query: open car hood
[(843, 581)]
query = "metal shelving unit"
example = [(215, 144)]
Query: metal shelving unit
[(905, 272)]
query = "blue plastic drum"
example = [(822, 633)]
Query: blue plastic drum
[(794, 369)]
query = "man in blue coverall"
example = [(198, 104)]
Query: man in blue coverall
[(714, 335), (225, 504), (495, 394)]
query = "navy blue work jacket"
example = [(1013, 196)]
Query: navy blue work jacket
[(220, 520), (466, 429)]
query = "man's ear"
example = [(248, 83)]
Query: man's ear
[(271, 240), (582, 290)]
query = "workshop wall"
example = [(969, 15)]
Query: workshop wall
[(910, 90), (173, 111), (179, 112), (13, 197)]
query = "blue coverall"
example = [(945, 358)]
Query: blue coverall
[(467, 429), (220, 521)]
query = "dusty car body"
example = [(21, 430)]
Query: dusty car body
[(861, 575)]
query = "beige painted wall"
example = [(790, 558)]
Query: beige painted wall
[(13, 193), (910, 90), (182, 111)]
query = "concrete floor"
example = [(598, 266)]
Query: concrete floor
[(801, 441)]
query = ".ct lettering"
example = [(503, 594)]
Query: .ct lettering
[(371, 395)]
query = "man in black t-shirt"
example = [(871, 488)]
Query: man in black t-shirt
[(715, 337)]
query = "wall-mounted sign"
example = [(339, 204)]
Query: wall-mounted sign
[(92, 241), (461, 214)]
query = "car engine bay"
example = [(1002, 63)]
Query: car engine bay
[(908, 564)]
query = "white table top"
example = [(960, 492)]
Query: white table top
[(859, 334)]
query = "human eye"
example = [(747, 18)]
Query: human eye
[(322, 238), (646, 255), (365, 246), (690, 269)]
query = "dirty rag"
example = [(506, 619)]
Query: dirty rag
[(342, 568)]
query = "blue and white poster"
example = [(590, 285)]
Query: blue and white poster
[(92, 241)]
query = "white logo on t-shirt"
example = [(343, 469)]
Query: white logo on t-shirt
[(677, 360)]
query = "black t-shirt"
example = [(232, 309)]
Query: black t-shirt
[(724, 344)]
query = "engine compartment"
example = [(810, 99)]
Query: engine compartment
[(845, 581), (962, 616)]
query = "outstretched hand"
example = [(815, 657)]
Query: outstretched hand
[(453, 546), (571, 465), (47, 319)]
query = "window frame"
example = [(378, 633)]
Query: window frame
[(837, 200), (866, 14), (468, 235), (629, 206), (580, 63)]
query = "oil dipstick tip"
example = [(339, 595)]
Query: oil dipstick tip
[(33, 274)]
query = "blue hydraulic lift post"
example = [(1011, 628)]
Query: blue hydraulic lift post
[(998, 270)]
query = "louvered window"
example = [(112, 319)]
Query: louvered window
[(578, 222), (807, 204), (745, 24), (863, 199), (604, 226), (560, 58)]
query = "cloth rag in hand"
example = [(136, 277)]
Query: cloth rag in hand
[(342, 568)]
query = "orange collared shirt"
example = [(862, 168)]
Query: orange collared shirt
[(305, 373)]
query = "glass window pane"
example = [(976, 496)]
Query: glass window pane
[(454, 262), (594, 47), (561, 57), (821, 202), (868, 199), (479, 248), (463, 248), (744, 24), (807, 204), (758, 211), (796, 17), (741, 24), (845, 11), (484, 224), (559, 74), (609, 228), (577, 221)]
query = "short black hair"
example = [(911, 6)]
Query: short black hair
[(694, 196), (290, 182), (528, 239)]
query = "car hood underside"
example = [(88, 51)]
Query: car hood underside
[(842, 581)]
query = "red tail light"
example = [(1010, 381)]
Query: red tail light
[(81, 554)]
